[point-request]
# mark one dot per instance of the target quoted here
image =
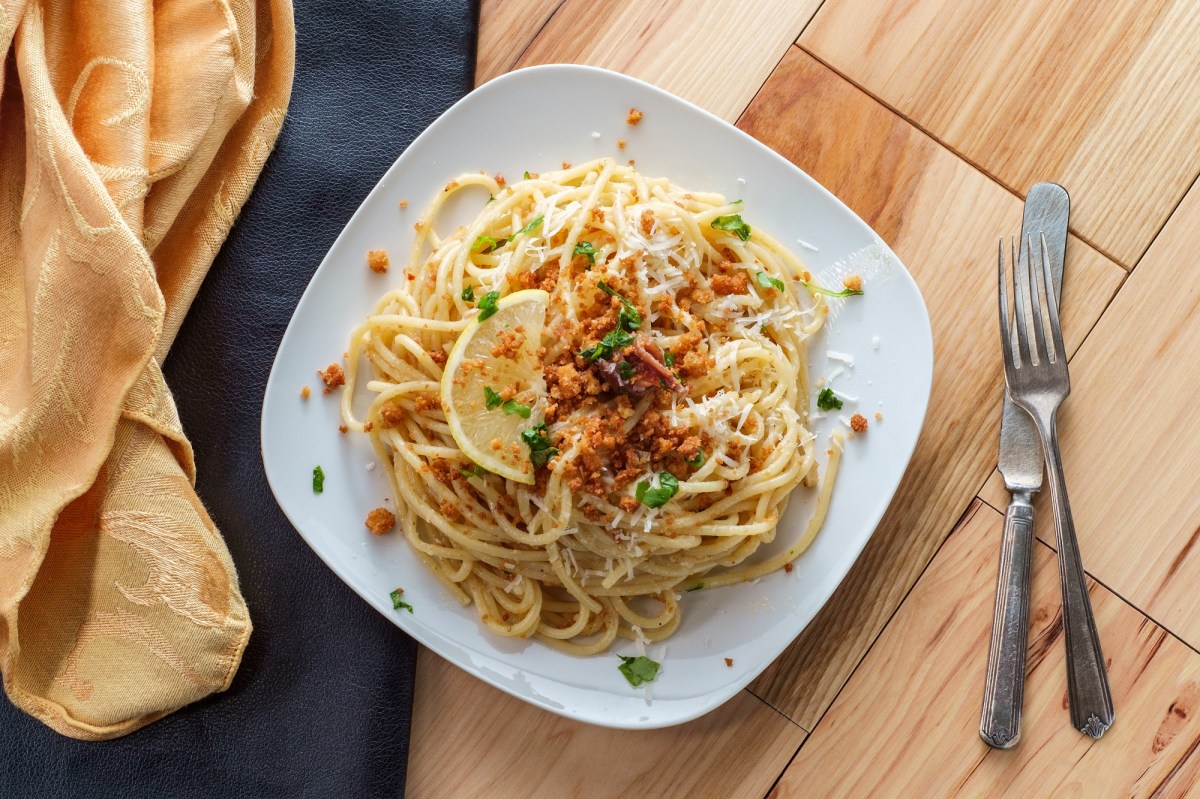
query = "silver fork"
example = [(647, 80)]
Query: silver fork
[(1038, 383)]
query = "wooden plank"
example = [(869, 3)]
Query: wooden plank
[(1101, 98), (506, 29), (470, 740), (942, 217), (715, 53), (994, 494), (911, 711)]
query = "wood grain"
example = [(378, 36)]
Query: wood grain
[(942, 217), (715, 53), (1130, 435), (1101, 97), (911, 710), (506, 29), (471, 740)]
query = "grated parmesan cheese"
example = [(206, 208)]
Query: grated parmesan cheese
[(745, 413)]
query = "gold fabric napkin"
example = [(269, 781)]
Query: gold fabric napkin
[(131, 133)]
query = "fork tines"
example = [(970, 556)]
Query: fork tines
[(1029, 286)]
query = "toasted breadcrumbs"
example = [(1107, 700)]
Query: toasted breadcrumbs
[(343, 429), (620, 144), (737, 283), (853, 282), (305, 392), (787, 567), (858, 423), (878, 416), (566, 164), (647, 221), (380, 521), (391, 414), (404, 203), (378, 261), (508, 344), (635, 116), (729, 662), (333, 376)]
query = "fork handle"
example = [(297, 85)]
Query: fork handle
[(1087, 676), (1004, 686)]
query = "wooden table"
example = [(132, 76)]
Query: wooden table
[(931, 118)]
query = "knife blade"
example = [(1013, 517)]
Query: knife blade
[(1047, 211)]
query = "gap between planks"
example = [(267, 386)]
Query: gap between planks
[(972, 508), (981, 170), (1053, 546)]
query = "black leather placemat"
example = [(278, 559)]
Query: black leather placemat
[(321, 704)]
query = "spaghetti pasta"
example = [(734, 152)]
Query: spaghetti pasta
[(664, 417)]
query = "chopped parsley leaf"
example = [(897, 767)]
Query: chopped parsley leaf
[(491, 398), (638, 670), (697, 460), (768, 282), (830, 292), (628, 318), (669, 358), (668, 486), (612, 341), (733, 224), (468, 294), (487, 306), (626, 369), (828, 401), (475, 470), (513, 407), (529, 228), (527, 174), (398, 603), (486, 244), (538, 441), (318, 480), (586, 248)]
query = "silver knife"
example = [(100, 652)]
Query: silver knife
[(1047, 208)]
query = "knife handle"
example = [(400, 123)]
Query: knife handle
[(1004, 687)]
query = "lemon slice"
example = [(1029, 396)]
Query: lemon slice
[(497, 354)]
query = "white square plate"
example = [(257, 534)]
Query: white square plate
[(533, 119)]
